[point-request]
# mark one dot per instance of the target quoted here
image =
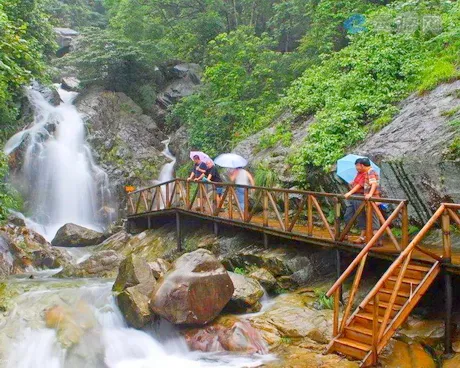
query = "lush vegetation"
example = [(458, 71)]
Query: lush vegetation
[(9, 198)]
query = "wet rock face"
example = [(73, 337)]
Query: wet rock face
[(100, 264), (226, 334), (71, 235), (22, 248), (126, 143), (410, 355), (159, 267), (134, 271), (246, 295), (194, 291)]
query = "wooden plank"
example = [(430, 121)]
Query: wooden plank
[(337, 216), (405, 227), (375, 329), (335, 326), (238, 207)]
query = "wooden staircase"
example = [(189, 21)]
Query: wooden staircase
[(377, 318), (364, 333)]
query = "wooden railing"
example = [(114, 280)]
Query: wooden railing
[(380, 336), (312, 214)]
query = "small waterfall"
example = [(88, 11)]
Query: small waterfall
[(92, 333), (167, 170), (58, 178)]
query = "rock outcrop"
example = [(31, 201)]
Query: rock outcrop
[(126, 143), (226, 333), (194, 291), (22, 248), (102, 263), (246, 296), (134, 284), (71, 235)]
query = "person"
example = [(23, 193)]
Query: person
[(352, 205), (241, 177), (367, 182), (212, 175), (199, 169)]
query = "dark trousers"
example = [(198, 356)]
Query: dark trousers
[(352, 206)]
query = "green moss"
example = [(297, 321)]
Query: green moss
[(451, 112), (438, 72), (240, 271), (6, 296)]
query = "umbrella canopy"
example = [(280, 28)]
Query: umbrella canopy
[(203, 156), (346, 167), (230, 160)]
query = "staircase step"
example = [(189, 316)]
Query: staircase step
[(351, 347), (405, 280), (401, 293), (361, 329), (358, 333), (414, 274), (367, 316), (385, 305)]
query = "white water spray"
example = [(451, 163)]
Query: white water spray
[(59, 179)]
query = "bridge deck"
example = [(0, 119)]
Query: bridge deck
[(272, 212)]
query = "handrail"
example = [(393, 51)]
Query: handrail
[(403, 255), (365, 250), (280, 190)]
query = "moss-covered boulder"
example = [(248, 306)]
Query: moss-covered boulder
[(100, 264), (134, 271)]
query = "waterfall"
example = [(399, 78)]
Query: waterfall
[(58, 178), (167, 171)]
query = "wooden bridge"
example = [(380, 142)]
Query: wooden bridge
[(315, 218)]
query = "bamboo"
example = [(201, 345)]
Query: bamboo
[(167, 204), (130, 198), (137, 203), (446, 241), (364, 251), (230, 203), (145, 201), (353, 291), (323, 217), (158, 195), (310, 215), (454, 216), (428, 253)]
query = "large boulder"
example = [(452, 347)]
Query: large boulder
[(246, 296), (265, 278), (194, 291), (134, 284), (159, 267), (70, 84), (71, 235)]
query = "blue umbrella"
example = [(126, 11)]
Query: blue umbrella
[(346, 167)]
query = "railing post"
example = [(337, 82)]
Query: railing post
[(335, 326), (369, 230), (448, 311), (265, 207), (230, 203), (178, 232), (187, 194), (375, 329), (286, 211), (336, 219), (246, 205), (167, 204), (446, 241), (405, 227), (310, 215)]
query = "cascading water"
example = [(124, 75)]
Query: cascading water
[(59, 179), (76, 323)]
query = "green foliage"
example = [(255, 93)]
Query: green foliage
[(26, 39), (323, 301), (76, 14), (240, 271), (282, 135), (362, 82), (266, 176), (9, 198), (243, 77), (286, 340), (451, 112)]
